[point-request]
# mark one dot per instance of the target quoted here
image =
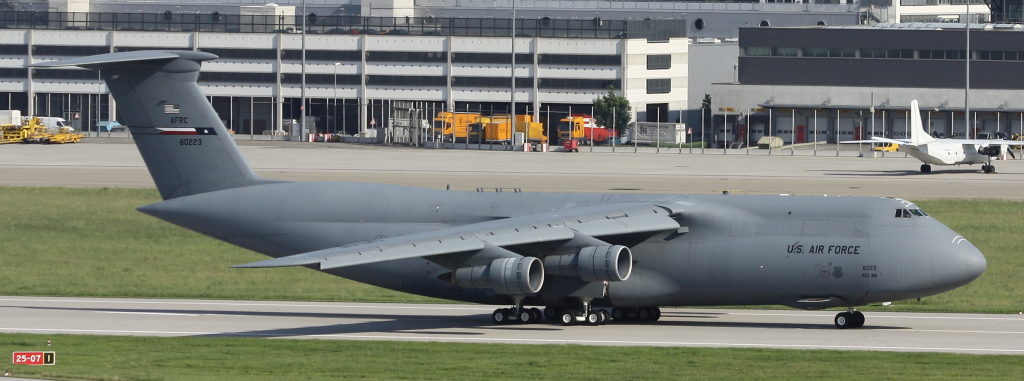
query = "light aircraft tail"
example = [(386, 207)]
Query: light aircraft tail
[(181, 138), (917, 132)]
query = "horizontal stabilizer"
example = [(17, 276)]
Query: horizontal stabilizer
[(100, 60)]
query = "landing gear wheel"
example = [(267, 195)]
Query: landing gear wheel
[(525, 316), (551, 312), (593, 318), (567, 318), (500, 316), (619, 314), (656, 313), (605, 317), (988, 168), (644, 314), (537, 315), (858, 319), (925, 168), (844, 320)]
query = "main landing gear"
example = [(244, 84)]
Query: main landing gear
[(577, 313), (988, 168), (925, 168), (517, 314), (850, 319), (642, 314)]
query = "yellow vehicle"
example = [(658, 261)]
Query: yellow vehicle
[(34, 131), (498, 129), (453, 125), (886, 147)]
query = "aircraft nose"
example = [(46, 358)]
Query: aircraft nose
[(962, 264)]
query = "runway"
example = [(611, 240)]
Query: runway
[(788, 329), (116, 163)]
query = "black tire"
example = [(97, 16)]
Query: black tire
[(619, 314), (844, 320), (606, 317), (551, 312), (500, 316), (644, 314), (991, 169), (537, 315), (858, 319), (656, 313), (525, 316), (925, 168), (593, 318), (567, 318)]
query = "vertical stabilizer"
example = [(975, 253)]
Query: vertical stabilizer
[(917, 132), (181, 138)]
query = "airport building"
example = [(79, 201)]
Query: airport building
[(848, 83), (364, 57)]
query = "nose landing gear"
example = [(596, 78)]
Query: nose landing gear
[(849, 319)]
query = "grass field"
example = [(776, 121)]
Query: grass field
[(91, 242), (193, 358)]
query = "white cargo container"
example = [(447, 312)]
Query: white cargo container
[(653, 132), (10, 117)]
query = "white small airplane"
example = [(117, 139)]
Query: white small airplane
[(931, 150)]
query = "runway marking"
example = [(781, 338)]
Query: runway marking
[(537, 341), (145, 313), (249, 304), (871, 316)]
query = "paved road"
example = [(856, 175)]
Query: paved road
[(116, 163), (918, 332)]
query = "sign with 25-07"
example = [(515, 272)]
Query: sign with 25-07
[(35, 358)]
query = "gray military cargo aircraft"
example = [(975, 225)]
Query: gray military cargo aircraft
[(578, 255)]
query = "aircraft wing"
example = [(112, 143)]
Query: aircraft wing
[(876, 139), (562, 225), (988, 142)]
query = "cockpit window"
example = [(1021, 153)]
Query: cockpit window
[(909, 213)]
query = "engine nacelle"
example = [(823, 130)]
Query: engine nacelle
[(991, 151), (593, 264), (507, 276)]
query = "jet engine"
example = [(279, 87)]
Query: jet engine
[(991, 151), (508, 276), (593, 264)]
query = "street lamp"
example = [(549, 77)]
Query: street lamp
[(336, 96)]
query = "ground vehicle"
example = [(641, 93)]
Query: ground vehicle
[(886, 147), (497, 129), (453, 125), (583, 128), (33, 130)]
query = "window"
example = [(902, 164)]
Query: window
[(407, 56), (501, 82), (941, 54), (886, 53), (13, 50), (784, 52), (659, 86), (833, 53), (60, 50), (659, 61), (986, 55), (237, 77), (13, 73), (580, 59), (323, 55), (322, 79), (492, 58), (578, 83), (404, 80), (265, 54), (757, 51), (65, 74)]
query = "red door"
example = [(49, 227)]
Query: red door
[(801, 134)]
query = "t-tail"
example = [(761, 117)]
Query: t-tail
[(917, 132), (181, 138)]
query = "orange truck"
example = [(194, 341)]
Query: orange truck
[(453, 125), (582, 128), (497, 130)]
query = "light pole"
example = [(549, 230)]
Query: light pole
[(336, 96)]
